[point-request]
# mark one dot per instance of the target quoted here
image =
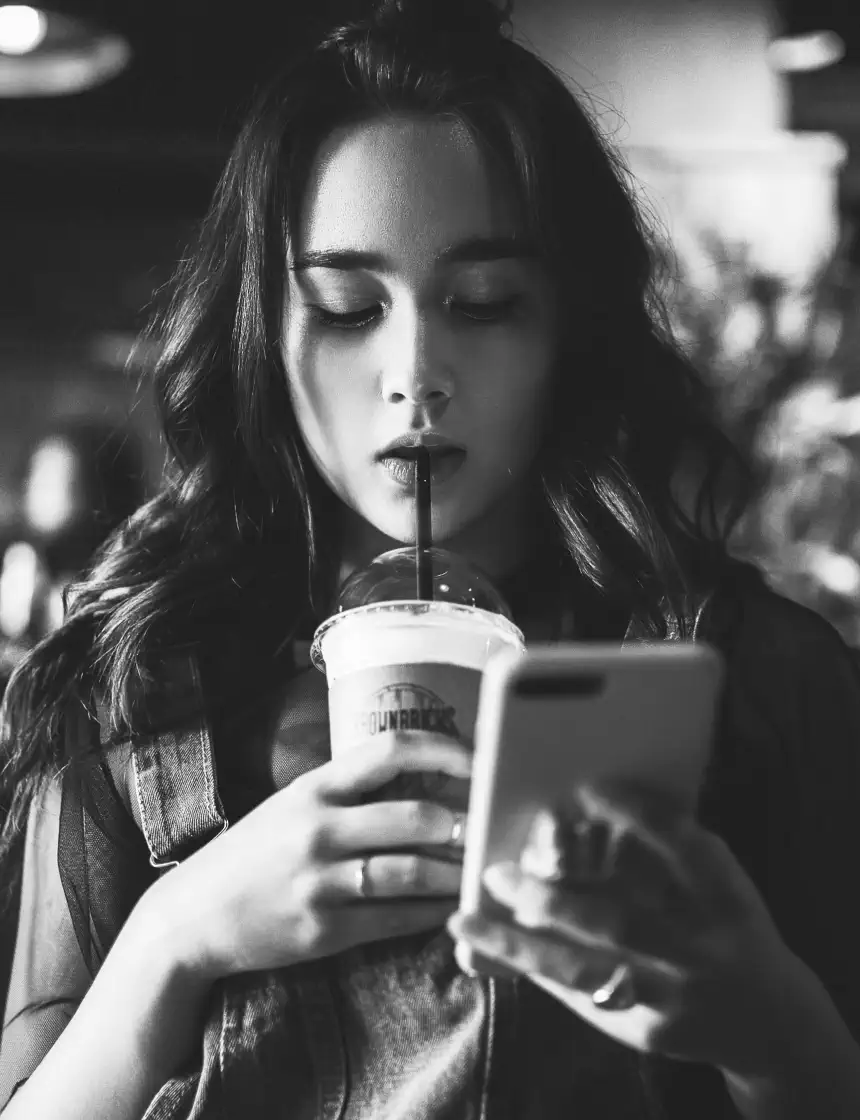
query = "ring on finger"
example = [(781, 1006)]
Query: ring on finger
[(618, 992), (457, 830), (362, 879)]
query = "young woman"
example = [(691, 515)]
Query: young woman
[(419, 233)]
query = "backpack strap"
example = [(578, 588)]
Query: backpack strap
[(172, 768)]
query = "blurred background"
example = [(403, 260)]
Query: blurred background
[(739, 118)]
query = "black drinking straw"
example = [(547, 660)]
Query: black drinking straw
[(423, 525)]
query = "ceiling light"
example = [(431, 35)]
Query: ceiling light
[(45, 54), (22, 29)]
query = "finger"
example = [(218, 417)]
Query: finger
[(453, 793), (604, 920), (653, 815), (723, 889), (558, 967), (381, 920), (625, 830), (369, 767), (395, 824), (647, 1018), (656, 810), (533, 954), (386, 877), (666, 858)]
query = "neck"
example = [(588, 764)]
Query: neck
[(500, 542)]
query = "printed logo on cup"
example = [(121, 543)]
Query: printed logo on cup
[(406, 706), (424, 698)]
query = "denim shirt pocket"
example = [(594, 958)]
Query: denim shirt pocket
[(272, 1047), (281, 1053), (325, 1041)]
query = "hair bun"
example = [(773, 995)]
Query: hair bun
[(483, 18)]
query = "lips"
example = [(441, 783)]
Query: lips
[(445, 461), (408, 444)]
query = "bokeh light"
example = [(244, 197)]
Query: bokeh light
[(22, 29), (798, 53)]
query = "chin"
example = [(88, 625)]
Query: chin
[(399, 526)]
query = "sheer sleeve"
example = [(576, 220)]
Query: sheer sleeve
[(49, 976), (85, 864), (102, 856)]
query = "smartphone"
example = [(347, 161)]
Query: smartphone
[(561, 715)]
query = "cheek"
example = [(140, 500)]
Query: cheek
[(327, 405), (310, 394), (310, 379), (515, 389)]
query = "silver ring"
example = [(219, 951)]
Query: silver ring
[(619, 991), (362, 879), (457, 830)]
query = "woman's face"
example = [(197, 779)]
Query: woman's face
[(415, 309)]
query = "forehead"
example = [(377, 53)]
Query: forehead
[(404, 187)]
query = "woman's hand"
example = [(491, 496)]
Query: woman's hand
[(625, 877), (318, 867)]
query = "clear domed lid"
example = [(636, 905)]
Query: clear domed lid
[(391, 576)]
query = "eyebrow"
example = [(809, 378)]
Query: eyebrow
[(473, 250)]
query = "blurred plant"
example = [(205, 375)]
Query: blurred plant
[(785, 363)]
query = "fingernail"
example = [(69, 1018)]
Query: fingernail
[(494, 876), (544, 830), (543, 855)]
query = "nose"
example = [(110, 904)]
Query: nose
[(415, 369)]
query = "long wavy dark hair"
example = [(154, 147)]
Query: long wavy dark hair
[(238, 541)]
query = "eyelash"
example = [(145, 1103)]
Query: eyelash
[(495, 311)]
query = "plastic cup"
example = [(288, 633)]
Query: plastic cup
[(409, 665)]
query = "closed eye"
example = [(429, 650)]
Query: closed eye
[(486, 311), (347, 320)]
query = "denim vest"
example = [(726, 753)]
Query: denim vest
[(388, 1031)]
